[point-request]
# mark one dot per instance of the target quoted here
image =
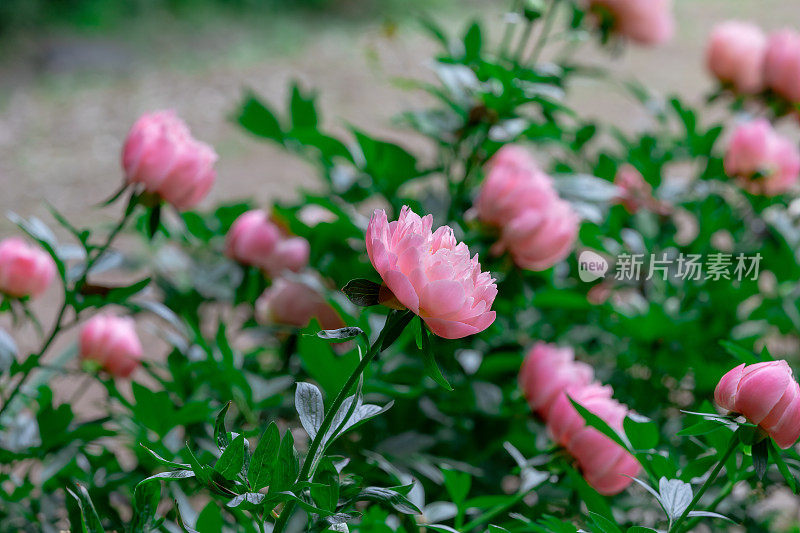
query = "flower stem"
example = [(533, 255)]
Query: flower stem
[(714, 473), (549, 18), (305, 472)]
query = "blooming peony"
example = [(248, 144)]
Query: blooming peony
[(735, 55), (255, 240), (161, 154), (767, 395), (293, 303), (646, 22), (538, 239), (514, 183), (782, 64), (763, 160), (431, 273), (111, 341), (547, 371), (25, 270)]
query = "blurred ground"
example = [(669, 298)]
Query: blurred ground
[(67, 98)]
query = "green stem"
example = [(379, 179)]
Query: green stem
[(508, 31), (724, 493), (714, 473), (305, 471), (58, 325), (523, 41), (494, 512), (549, 19)]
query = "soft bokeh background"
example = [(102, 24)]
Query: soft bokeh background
[(73, 80)]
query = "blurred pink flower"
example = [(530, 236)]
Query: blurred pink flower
[(735, 55), (293, 303), (648, 22), (767, 395), (547, 371), (111, 341), (25, 270), (431, 273), (514, 183), (255, 240), (161, 154), (764, 161), (539, 238), (604, 463), (782, 64), (636, 192)]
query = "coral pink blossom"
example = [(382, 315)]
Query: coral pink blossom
[(636, 193), (538, 239), (764, 161), (293, 303), (25, 270), (514, 183), (431, 273), (605, 464), (111, 341), (161, 154), (648, 22), (767, 395), (255, 240), (782, 64), (547, 371), (735, 55)]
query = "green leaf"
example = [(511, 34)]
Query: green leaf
[(325, 491), (742, 354), (247, 501), (262, 466), (389, 165), (146, 499), (230, 462), (389, 497), (777, 457), (303, 110), (603, 524), (760, 452), (457, 484), (201, 472), (90, 520), (210, 519), (396, 322), (165, 462), (431, 368), (362, 292), (340, 334), (310, 408), (473, 41), (256, 118), (287, 466), (220, 434), (642, 433)]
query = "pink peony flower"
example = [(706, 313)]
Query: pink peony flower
[(767, 395), (293, 303), (514, 183), (782, 64), (431, 273), (604, 463), (161, 154), (547, 371), (648, 22), (25, 270), (255, 240), (111, 341), (735, 55), (764, 161), (538, 239)]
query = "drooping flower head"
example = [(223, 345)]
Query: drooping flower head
[(767, 395), (293, 303), (782, 64), (647, 22), (255, 240), (111, 342), (431, 273), (161, 154), (25, 270)]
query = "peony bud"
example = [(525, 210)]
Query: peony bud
[(538, 239), (161, 154), (292, 303), (431, 273), (514, 183), (735, 55), (764, 161), (255, 240), (111, 342), (25, 270), (547, 371), (648, 22), (782, 64), (767, 395)]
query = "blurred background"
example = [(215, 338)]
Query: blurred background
[(75, 74)]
